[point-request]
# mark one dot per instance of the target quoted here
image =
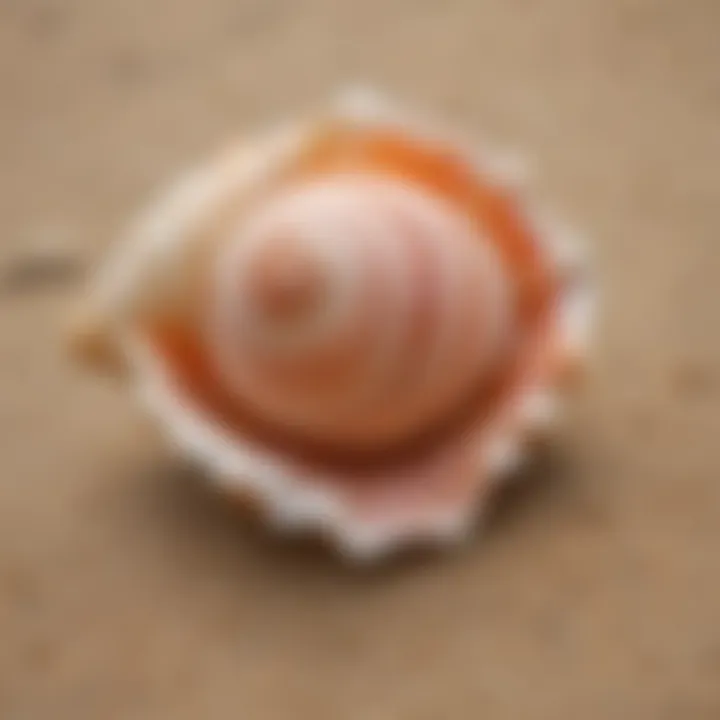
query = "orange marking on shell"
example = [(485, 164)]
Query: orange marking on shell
[(391, 155), (446, 175)]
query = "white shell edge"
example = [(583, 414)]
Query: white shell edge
[(290, 502), (140, 267)]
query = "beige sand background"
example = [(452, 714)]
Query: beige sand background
[(126, 592)]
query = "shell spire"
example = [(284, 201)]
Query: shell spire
[(287, 285), (346, 321)]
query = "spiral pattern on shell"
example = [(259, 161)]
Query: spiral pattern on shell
[(356, 311), (355, 324)]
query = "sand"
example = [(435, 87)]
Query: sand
[(593, 592)]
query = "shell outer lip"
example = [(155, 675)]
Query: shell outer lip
[(291, 504)]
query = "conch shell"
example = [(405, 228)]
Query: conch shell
[(353, 319)]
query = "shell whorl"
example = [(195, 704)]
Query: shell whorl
[(352, 321), (356, 311)]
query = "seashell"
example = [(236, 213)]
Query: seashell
[(355, 319)]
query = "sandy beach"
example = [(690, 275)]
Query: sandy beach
[(593, 592)]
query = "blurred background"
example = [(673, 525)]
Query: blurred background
[(595, 590)]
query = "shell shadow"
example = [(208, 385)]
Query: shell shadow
[(203, 526), (190, 512), (543, 485)]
